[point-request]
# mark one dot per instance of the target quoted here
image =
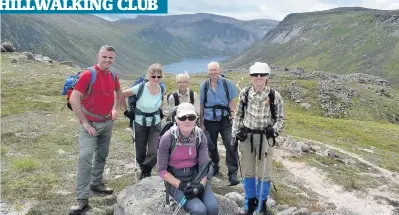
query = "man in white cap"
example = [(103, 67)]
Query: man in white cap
[(259, 118)]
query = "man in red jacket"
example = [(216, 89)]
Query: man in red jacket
[(96, 109)]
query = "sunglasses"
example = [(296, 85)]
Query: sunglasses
[(154, 76), (189, 117), (259, 74)]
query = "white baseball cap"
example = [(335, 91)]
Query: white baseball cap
[(259, 68), (184, 109)]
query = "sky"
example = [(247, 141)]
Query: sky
[(263, 9)]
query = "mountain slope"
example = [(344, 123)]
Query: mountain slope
[(138, 44), (342, 40), (217, 34)]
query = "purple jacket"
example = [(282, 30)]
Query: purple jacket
[(180, 157)]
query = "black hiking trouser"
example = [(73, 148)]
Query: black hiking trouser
[(146, 145), (223, 127)]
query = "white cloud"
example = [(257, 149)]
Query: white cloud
[(264, 9), (270, 9)]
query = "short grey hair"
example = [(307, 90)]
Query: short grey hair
[(182, 75), (214, 63)]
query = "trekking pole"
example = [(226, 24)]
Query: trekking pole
[(201, 174), (239, 166), (263, 175), (135, 152)]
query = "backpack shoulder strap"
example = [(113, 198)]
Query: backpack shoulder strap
[(140, 91), (162, 89), (244, 104), (173, 138), (226, 88), (93, 77), (113, 75), (176, 98), (206, 87), (198, 139), (191, 96), (272, 105)]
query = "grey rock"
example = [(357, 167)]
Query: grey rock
[(302, 211), (29, 55), (148, 196), (305, 105), (288, 211), (8, 46), (271, 203), (236, 197)]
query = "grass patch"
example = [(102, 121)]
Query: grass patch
[(3, 150), (25, 164), (33, 186), (37, 127)]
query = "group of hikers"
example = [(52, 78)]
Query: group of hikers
[(187, 145)]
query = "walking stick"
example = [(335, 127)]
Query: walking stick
[(201, 174), (263, 175), (135, 152)]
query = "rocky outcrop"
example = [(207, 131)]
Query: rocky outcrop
[(7, 46), (335, 98), (148, 196)]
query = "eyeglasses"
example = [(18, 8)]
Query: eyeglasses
[(259, 74), (154, 76), (189, 117)]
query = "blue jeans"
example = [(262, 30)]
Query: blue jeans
[(204, 205)]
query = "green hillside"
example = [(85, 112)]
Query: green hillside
[(342, 41)]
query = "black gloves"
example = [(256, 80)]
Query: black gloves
[(193, 190), (271, 133), (183, 185), (129, 114)]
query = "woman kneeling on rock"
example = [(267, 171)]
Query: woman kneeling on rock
[(182, 151)]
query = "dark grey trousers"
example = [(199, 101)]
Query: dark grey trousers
[(223, 127), (146, 144)]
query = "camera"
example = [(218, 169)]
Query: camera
[(242, 134)]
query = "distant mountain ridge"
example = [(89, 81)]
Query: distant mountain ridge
[(341, 40), (138, 43)]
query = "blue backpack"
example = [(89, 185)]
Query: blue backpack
[(71, 81), (132, 100)]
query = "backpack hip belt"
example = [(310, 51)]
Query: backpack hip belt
[(220, 107), (251, 138), (107, 117), (145, 115)]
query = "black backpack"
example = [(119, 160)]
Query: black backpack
[(176, 97), (244, 104)]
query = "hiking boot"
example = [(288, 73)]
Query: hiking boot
[(145, 172), (263, 209), (252, 204), (79, 207), (100, 188), (233, 180)]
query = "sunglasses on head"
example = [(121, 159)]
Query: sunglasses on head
[(189, 117), (154, 76), (259, 74)]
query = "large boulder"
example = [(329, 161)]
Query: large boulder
[(148, 197), (7, 46)]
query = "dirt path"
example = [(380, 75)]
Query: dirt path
[(385, 173), (315, 180)]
